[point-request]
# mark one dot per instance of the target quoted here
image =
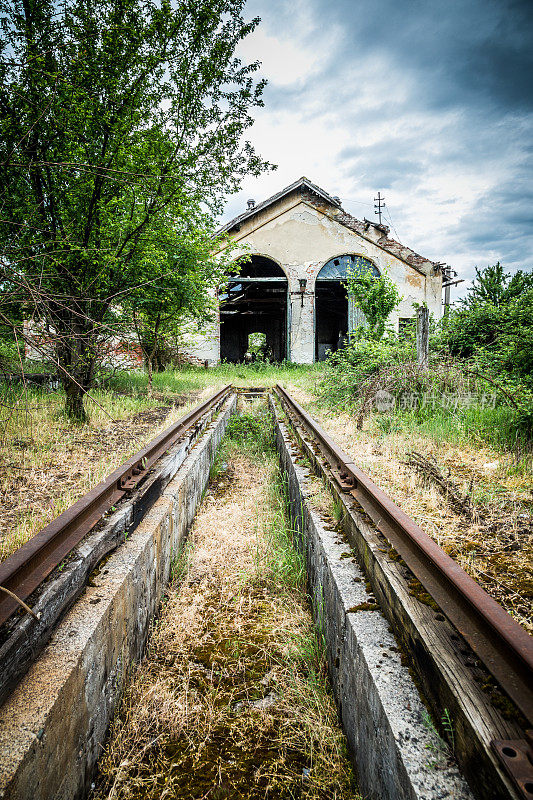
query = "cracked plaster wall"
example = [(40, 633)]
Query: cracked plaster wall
[(301, 239)]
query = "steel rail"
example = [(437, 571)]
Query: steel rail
[(23, 571), (503, 646)]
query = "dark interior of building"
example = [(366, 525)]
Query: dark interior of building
[(254, 302), (331, 303)]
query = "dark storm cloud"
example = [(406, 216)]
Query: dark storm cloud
[(437, 100), (475, 51), (398, 165), (503, 218)]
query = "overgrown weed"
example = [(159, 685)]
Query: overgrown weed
[(232, 699), (189, 378)]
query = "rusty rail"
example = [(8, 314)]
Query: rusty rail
[(503, 646), (27, 568)]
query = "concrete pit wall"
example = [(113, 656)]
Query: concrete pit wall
[(54, 724), (397, 753)]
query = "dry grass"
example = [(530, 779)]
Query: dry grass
[(496, 547), (231, 700), (46, 463)]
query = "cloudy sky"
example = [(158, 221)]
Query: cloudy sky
[(428, 101)]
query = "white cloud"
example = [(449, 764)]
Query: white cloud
[(284, 62), (355, 119)]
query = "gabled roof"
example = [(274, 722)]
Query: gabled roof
[(314, 193), (393, 247), (301, 183)]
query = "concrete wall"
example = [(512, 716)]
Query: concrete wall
[(201, 344), (53, 725), (301, 239), (396, 753)]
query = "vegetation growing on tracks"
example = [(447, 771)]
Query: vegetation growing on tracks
[(232, 698), (47, 463), (494, 541), (472, 446)]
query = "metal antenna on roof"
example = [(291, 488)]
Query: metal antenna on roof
[(379, 203)]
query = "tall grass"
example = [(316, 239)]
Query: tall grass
[(476, 425), (190, 378), (48, 462)]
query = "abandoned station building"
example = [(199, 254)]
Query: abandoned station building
[(300, 244)]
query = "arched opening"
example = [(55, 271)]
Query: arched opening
[(334, 315), (255, 301), (257, 346)]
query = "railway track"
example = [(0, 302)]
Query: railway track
[(23, 576), (499, 642), (31, 564)]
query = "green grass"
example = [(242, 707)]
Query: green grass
[(236, 634), (187, 379), (477, 425), (279, 563), (37, 413)]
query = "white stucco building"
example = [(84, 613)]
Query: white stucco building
[(300, 243)]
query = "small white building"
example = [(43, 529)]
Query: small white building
[(300, 243)]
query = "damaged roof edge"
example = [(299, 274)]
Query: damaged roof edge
[(401, 251), (338, 214), (303, 182)]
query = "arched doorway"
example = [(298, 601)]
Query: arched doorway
[(334, 315), (255, 301)]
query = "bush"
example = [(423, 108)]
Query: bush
[(449, 391), (253, 429), (495, 328), (376, 296), (348, 369)]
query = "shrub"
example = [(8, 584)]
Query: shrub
[(494, 326), (348, 369), (375, 296)]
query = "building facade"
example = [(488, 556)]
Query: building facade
[(298, 246)]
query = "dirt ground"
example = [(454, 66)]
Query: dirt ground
[(46, 464), (494, 543), (231, 700)]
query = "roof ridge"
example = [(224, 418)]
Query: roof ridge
[(250, 212)]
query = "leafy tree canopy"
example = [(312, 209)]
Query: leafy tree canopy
[(494, 324), (114, 116), (493, 285)]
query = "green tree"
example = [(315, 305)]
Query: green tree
[(181, 275), (114, 114), (494, 324), (376, 296), (493, 285)]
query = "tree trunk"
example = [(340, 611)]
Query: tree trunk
[(150, 373), (76, 355), (74, 407)]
